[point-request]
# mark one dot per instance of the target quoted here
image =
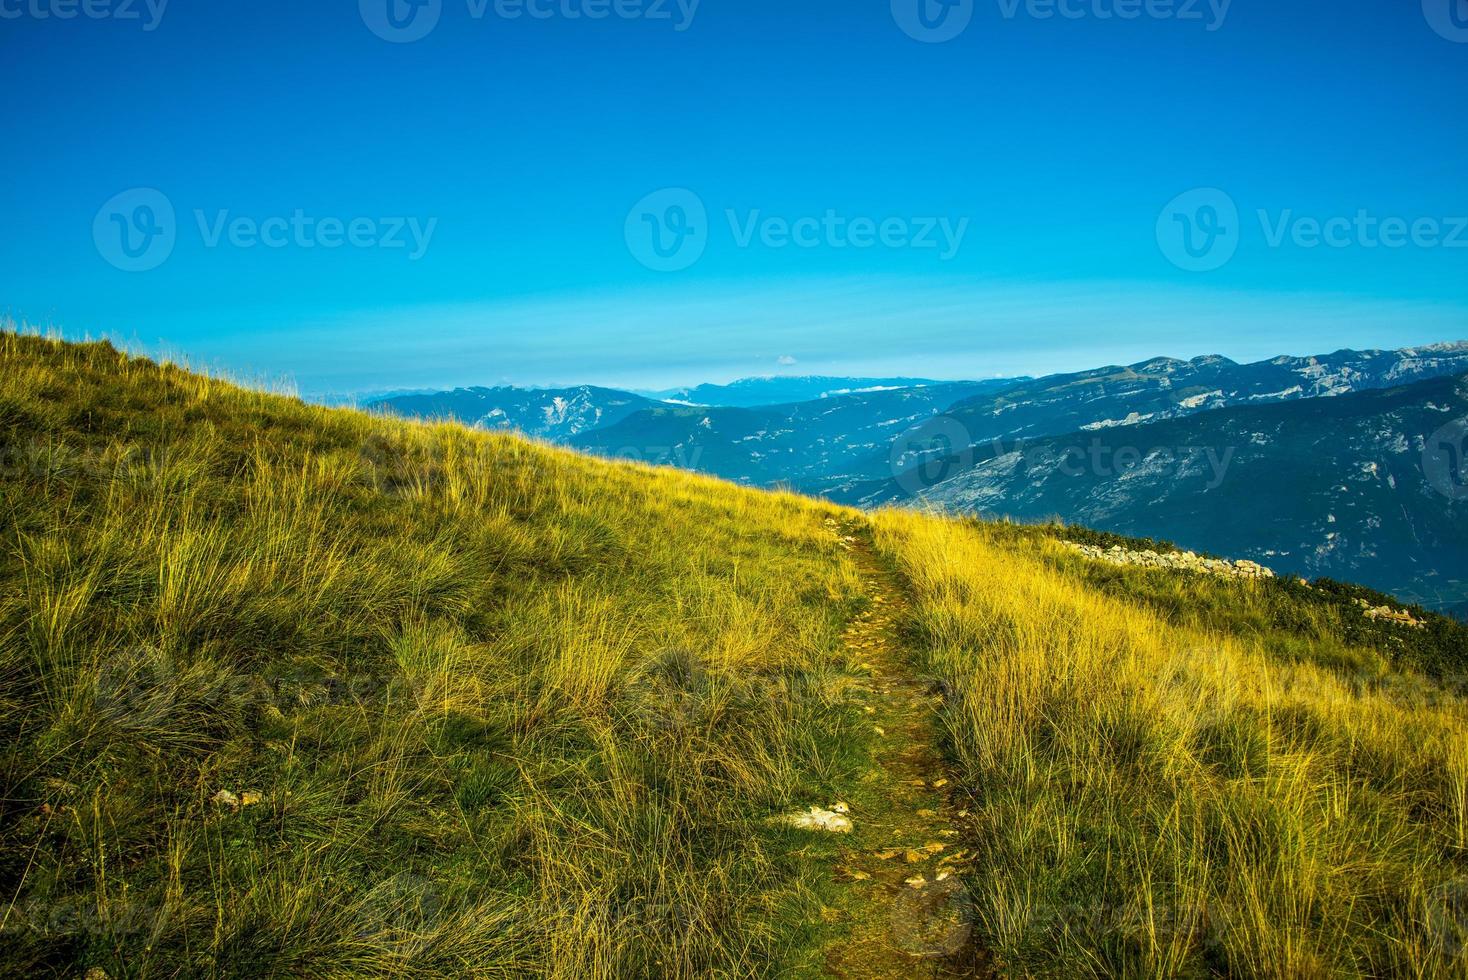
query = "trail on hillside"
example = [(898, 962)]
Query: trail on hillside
[(910, 913)]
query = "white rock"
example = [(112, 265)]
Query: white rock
[(818, 819)]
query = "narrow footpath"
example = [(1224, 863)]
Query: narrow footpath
[(910, 912)]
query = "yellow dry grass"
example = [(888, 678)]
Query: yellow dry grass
[(294, 691), (1156, 801)]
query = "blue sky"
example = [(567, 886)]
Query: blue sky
[(476, 205)]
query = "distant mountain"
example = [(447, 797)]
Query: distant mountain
[(755, 392), (555, 414), (799, 444), (1351, 487), (1149, 391), (364, 399), (955, 444), (840, 443), (1164, 388)]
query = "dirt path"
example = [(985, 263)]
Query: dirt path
[(910, 913)]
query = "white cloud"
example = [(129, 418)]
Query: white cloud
[(785, 360)]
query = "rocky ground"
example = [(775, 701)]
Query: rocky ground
[(910, 915), (1178, 560)]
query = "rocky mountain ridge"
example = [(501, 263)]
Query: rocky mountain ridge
[(556, 414), (1357, 487)]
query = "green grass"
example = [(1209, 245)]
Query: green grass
[(1321, 620), (1169, 780), (508, 710), (292, 691)]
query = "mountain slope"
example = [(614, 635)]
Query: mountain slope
[(834, 444), (1321, 487), (795, 444), (830, 435), (1163, 388), (757, 392), (555, 414), (291, 691)]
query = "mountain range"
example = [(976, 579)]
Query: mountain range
[(554, 414), (1344, 487), (1313, 465), (753, 392), (801, 444)]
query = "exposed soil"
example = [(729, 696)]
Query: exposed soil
[(910, 911)]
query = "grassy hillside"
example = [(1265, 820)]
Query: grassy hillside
[(506, 709), (1319, 620), (1156, 797), (291, 691)]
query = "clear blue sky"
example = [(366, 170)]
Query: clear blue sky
[(526, 142)]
